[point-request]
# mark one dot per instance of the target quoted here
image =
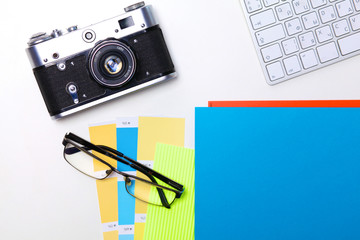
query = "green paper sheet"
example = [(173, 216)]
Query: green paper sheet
[(177, 163)]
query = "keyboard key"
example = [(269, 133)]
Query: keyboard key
[(272, 52), (317, 3), (310, 20), (349, 44), (355, 22), (292, 65), (341, 28), (293, 26), (308, 59), (327, 14), (270, 35), (262, 19), (307, 40), (324, 34), (344, 8), (275, 71), (253, 5), (327, 52), (300, 6), (268, 3), (357, 4), (290, 46), (284, 11)]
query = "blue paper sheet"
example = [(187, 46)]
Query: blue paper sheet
[(126, 138), (277, 173)]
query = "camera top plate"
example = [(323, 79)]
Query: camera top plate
[(49, 49)]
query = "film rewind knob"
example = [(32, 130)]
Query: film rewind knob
[(134, 6)]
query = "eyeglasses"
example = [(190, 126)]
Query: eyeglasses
[(93, 161)]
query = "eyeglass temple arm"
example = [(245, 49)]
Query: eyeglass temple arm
[(144, 168), (76, 150), (89, 146)]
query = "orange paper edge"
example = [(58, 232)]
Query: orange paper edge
[(287, 103)]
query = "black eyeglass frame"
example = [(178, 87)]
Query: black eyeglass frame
[(71, 138)]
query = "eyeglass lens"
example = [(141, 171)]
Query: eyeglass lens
[(85, 163), (147, 192)]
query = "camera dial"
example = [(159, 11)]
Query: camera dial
[(39, 38), (134, 6), (88, 35), (112, 63)]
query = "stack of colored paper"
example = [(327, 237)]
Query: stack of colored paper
[(278, 170), (157, 143)]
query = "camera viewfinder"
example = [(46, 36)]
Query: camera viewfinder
[(126, 22)]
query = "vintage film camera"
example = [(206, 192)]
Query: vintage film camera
[(79, 68)]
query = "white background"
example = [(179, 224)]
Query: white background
[(41, 196)]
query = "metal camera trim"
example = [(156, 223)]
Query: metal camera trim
[(41, 47), (86, 32)]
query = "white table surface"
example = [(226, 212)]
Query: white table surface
[(41, 196)]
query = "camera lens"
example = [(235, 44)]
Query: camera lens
[(112, 63)]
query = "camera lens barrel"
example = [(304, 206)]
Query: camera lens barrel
[(112, 63)]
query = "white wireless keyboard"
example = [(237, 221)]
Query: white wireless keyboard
[(294, 37)]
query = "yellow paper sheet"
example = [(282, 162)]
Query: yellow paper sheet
[(153, 130), (107, 189), (156, 129)]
